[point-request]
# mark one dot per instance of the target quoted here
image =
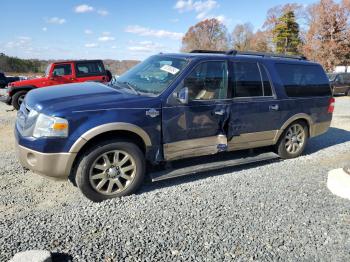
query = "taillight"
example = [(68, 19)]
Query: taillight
[(331, 105)]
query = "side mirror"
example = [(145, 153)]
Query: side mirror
[(182, 95)]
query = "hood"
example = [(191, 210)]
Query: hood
[(88, 96), (28, 82)]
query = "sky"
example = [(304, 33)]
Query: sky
[(113, 29)]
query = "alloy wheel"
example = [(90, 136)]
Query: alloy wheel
[(112, 172), (21, 99), (295, 138)]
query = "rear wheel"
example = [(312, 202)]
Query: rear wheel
[(293, 140), (18, 99), (112, 169)]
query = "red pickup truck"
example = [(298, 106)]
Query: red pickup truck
[(59, 73)]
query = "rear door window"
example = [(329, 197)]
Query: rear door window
[(250, 79), (89, 69), (303, 80)]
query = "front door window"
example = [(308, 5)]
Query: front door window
[(208, 81)]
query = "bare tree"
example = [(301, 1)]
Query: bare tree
[(260, 42), (209, 34), (327, 39), (242, 36)]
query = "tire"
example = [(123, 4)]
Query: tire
[(100, 177), (18, 98), (293, 140)]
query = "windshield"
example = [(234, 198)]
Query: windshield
[(47, 71), (331, 77), (152, 76)]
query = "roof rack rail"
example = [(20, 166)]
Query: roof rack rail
[(263, 54), (252, 53), (208, 51)]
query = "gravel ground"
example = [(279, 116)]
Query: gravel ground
[(279, 210)]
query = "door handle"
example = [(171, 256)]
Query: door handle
[(220, 112), (273, 107)]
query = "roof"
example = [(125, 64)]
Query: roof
[(74, 61)]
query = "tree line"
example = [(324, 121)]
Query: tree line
[(14, 64), (320, 32), (34, 66)]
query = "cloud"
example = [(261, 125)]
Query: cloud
[(91, 45), (44, 29), (144, 31), (102, 12), (175, 20), (106, 38), (83, 9), (223, 19), (22, 42), (145, 46), (201, 8), (88, 31), (56, 20)]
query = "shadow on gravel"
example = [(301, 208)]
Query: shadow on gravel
[(150, 186), (334, 136), (61, 257)]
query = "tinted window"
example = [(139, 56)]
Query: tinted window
[(89, 68), (246, 80), (62, 70), (346, 78), (207, 81), (303, 80), (266, 81)]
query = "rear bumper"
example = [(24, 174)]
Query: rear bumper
[(53, 165)]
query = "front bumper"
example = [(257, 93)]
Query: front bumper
[(53, 165)]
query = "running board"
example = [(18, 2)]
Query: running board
[(206, 165)]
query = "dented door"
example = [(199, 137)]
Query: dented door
[(198, 127)]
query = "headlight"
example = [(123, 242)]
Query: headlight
[(50, 126)]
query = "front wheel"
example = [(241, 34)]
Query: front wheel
[(18, 99), (112, 169), (293, 140)]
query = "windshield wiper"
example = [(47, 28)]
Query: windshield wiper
[(128, 85)]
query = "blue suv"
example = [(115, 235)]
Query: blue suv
[(171, 107)]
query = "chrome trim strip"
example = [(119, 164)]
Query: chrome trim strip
[(117, 126)]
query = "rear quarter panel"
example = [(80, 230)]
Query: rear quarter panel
[(314, 106)]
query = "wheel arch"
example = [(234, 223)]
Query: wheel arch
[(298, 117), (113, 130), (107, 132), (14, 90)]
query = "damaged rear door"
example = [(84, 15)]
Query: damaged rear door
[(197, 126), (255, 116)]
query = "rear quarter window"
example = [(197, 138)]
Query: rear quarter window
[(303, 80), (89, 69)]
